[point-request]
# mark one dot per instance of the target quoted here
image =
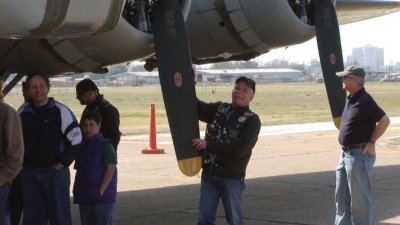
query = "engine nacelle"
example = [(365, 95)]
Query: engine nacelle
[(57, 18), (68, 46), (243, 29)]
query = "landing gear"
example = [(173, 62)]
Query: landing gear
[(137, 13), (304, 10)]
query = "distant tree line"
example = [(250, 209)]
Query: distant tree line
[(251, 64), (112, 70)]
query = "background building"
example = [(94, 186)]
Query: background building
[(369, 57)]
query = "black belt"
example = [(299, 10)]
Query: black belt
[(350, 147)]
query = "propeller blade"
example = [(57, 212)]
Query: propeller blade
[(330, 53), (175, 72)]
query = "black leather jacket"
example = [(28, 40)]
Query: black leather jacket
[(231, 135)]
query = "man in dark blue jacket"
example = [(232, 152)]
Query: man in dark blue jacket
[(52, 139)]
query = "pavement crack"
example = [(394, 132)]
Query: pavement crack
[(295, 192), (278, 221), (287, 155)]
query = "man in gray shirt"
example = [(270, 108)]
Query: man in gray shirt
[(11, 151)]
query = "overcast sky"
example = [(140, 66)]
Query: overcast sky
[(381, 32)]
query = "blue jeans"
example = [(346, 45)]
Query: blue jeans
[(229, 191), (46, 196), (353, 188), (96, 214), (4, 190)]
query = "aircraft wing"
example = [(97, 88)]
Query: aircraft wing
[(350, 11)]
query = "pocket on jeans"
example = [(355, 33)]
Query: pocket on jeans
[(369, 161)]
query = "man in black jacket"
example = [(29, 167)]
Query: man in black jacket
[(232, 132), (88, 94)]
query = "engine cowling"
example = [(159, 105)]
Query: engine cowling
[(243, 29), (57, 18)]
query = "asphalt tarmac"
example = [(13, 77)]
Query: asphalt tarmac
[(290, 180)]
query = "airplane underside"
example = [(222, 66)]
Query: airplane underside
[(218, 31), (66, 36)]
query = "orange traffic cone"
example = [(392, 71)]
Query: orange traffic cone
[(152, 149)]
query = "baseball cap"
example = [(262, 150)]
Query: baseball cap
[(353, 70), (86, 85), (250, 82)]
